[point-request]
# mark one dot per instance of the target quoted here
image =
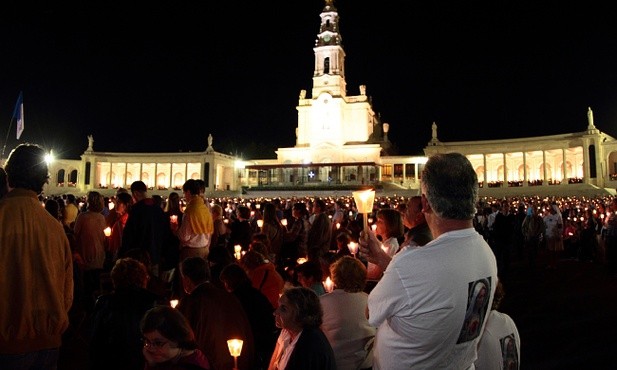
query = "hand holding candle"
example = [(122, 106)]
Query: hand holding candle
[(373, 250), (364, 202)]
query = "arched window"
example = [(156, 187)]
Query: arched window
[(73, 178), (60, 177)]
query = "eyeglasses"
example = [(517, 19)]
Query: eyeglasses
[(155, 344)]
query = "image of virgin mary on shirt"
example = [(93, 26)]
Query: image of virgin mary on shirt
[(477, 306)]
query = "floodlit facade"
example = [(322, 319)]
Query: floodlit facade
[(162, 172), (339, 138), (341, 142), (586, 159)]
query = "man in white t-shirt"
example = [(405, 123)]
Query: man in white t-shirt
[(431, 304)]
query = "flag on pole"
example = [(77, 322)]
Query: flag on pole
[(18, 114)]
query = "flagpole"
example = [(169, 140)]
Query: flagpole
[(17, 113), (5, 140)]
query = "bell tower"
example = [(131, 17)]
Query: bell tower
[(332, 126), (329, 73)]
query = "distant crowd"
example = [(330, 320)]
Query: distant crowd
[(164, 282)]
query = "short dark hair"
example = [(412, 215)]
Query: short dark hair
[(219, 255), (129, 273), (95, 201), (192, 186), (124, 198), (196, 269), (244, 212), (321, 204), (53, 207), (171, 324), (139, 186), (311, 268), (202, 185), (343, 237), (26, 168), (393, 220), (234, 276), (299, 206)]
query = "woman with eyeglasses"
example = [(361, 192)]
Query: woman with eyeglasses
[(169, 341)]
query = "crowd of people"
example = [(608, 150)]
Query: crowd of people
[(418, 293)]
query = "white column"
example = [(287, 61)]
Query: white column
[(156, 170), (485, 182), (505, 170), (564, 167), (525, 169), (111, 167), (544, 180)]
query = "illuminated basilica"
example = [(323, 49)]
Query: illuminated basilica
[(341, 143)]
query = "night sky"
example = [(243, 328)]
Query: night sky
[(161, 76)]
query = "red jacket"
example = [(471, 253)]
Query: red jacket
[(268, 281)]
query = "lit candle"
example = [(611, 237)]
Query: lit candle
[(107, 231), (301, 260), (284, 222), (328, 285), (173, 303), (374, 227), (173, 219), (235, 348), (353, 248), (338, 225), (260, 223)]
